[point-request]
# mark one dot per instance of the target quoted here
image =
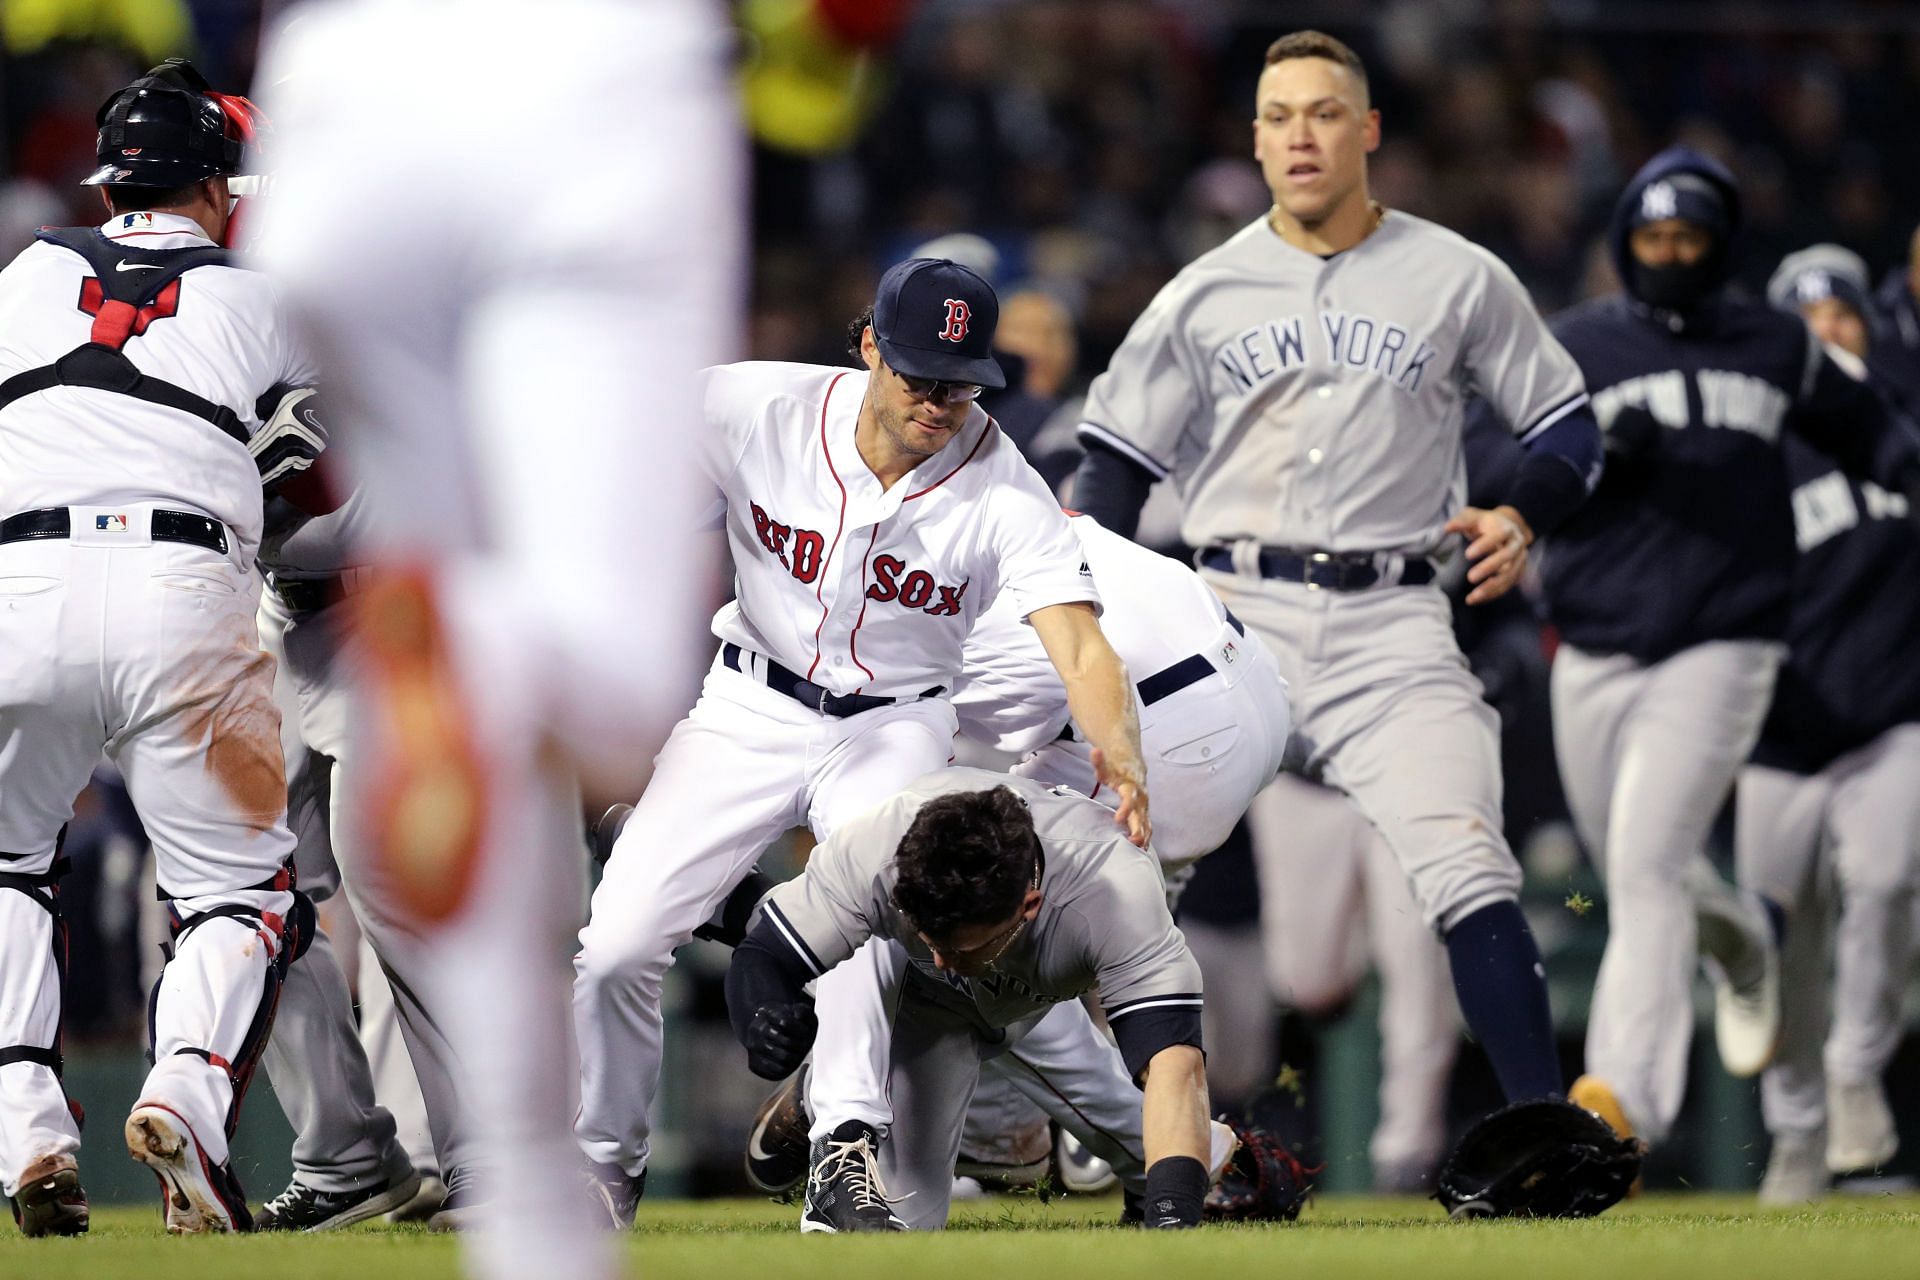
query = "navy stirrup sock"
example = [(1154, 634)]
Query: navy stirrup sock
[(1502, 988)]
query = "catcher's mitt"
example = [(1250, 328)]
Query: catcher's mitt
[(1263, 1182), (1542, 1159)]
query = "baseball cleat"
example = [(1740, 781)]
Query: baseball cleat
[(460, 1208), (777, 1148), (304, 1208), (199, 1196), (844, 1193), (1024, 1160), (51, 1201), (1081, 1171), (1796, 1170), (1597, 1096), (1860, 1131), (425, 1203), (617, 1191), (1746, 1002), (428, 806)]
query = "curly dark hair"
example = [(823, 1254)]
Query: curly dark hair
[(855, 329), (966, 860)]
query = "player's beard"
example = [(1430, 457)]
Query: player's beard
[(908, 439)]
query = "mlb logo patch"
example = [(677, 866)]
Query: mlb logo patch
[(110, 524), (1230, 653)]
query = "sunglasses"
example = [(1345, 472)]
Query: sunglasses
[(933, 391)]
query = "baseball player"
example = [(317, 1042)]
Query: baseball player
[(998, 899), (1303, 383), (1214, 722), (517, 364), (141, 375), (348, 1164), (1671, 592), (1829, 797), (873, 516)]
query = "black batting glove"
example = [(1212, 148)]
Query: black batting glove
[(778, 1038)]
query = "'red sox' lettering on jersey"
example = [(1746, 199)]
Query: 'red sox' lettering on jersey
[(914, 589), (857, 588)]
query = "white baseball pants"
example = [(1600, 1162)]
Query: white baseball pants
[(144, 651), (1647, 755), (745, 766), (1332, 903), (512, 321), (1850, 832)]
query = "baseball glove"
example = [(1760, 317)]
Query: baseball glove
[(1263, 1182), (1542, 1159)]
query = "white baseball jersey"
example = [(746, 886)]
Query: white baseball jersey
[(227, 341), (1303, 401), (856, 588), (1160, 613)]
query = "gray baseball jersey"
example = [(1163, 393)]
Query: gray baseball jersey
[(1313, 402), (1103, 922)]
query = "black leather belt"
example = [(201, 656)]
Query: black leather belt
[(1330, 570), (1170, 680), (310, 595), (164, 526), (809, 694)]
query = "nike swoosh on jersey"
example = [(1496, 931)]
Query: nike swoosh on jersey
[(135, 266)]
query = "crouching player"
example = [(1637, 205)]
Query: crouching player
[(1000, 898)]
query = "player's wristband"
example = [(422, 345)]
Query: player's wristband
[(1176, 1191)]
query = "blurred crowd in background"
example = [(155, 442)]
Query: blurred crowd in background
[(1093, 147)]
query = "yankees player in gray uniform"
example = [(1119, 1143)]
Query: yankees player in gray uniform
[(1303, 385), (1004, 898), (348, 1165)]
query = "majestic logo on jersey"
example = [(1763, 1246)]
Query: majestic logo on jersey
[(958, 316), (1659, 201), (914, 589), (1344, 340), (802, 558), (1729, 400)]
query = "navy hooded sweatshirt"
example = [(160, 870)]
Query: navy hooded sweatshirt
[(1692, 540)]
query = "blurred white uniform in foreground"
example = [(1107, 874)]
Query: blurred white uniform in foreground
[(514, 233)]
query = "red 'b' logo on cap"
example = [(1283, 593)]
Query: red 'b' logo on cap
[(958, 313)]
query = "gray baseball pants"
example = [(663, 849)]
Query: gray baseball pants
[(1387, 711), (316, 1059), (1850, 832), (1647, 755)]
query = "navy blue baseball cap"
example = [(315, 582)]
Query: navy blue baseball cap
[(934, 318)]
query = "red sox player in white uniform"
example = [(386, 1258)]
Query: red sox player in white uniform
[(873, 515), (136, 368)]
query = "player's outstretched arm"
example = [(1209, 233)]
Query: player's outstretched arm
[(1178, 1141), (1497, 542), (1100, 696)]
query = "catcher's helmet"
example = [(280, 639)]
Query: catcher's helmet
[(166, 129)]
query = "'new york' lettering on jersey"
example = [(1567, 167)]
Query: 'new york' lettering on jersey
[(1318, 402), (859, 589)]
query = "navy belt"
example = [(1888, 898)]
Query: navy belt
[(1330, 570), (163, 526), (811, 695), (1171, 680)]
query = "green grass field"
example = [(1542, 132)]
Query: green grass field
[(1688, 1237)]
